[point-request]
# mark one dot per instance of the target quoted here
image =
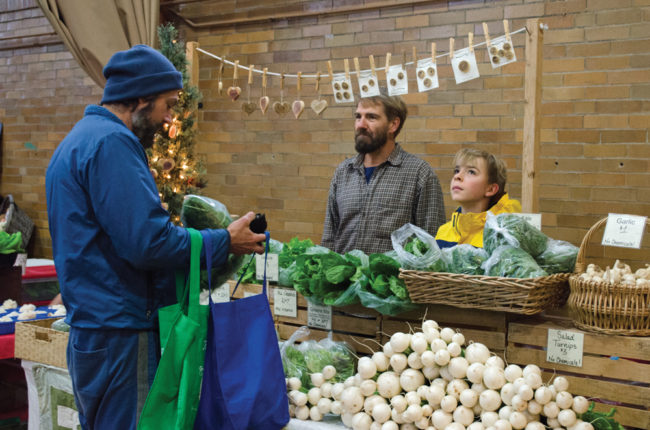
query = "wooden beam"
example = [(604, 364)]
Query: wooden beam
[(532, 117), (192, 63)]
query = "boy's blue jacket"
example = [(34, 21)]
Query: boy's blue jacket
[(468, 227), (115, 249)]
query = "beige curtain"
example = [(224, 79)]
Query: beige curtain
[(93, 30)]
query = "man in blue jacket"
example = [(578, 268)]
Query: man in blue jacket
[(115, 249)]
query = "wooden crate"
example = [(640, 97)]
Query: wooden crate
[(486, 327), (615, 369), (355, 325)]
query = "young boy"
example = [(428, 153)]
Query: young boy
[(478, 185)]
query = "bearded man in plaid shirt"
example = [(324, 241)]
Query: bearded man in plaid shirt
[(383, 187)]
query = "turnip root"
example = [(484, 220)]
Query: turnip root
[(352, 400), (329, 372), (366, 367), (388, 385), (411, 379), (302, 412)]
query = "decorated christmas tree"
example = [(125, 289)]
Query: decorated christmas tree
[(175, 167)]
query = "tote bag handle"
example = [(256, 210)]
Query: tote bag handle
[(188, 289), (266, 253)]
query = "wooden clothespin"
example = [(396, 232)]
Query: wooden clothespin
[(486, 33), (318, 82), (415, 57), (235, 72), (433, 52), (387, 63), (470, 41), (329, 70), (451, 48), (506, 30), (346, 65), (250, 74), (372, 65), (357, 68)]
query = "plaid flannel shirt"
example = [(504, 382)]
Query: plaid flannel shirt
[(403, 189)]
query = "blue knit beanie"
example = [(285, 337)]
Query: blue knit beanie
[(139, 72)]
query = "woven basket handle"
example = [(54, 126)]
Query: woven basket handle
[(580, 259)]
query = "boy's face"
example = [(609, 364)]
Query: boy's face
[(470, 184)]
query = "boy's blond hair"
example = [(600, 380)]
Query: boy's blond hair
[(496, 169)]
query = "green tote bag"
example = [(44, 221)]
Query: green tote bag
[(173, 400)]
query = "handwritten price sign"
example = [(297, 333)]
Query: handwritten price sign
[(565, 347), (284, 302), (624, 230), (319, 316)]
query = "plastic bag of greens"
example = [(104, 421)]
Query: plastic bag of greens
[(316, 355), (349, 296), (293, 360), (343, 358), (511, 229), (465, 259), (510, 262), (559, 257), (391, 305), (416, 249), (201, 212), (285, 275)]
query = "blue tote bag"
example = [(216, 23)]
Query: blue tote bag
[(243, 381)]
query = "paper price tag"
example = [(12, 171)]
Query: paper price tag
[(625, 231), (397, 80), (501, 52), (221, 294), (533, 219), (427, 75), (564, 347), (368, 84), (342, 89), (464, 65), (272, 270), (284, 302), (319, 316)]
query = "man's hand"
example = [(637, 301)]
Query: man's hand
[(242, 239)]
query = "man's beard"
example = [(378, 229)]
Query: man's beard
[(143, 127), (365, 142)]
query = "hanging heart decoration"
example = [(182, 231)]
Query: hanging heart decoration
[(281, 108), (249, 107), (319, 106), (264, 104), (297, 108), (234, 92)]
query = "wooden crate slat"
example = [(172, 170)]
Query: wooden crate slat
[(591, 365), (449, 316), (339, 323), (535, 333), (608, 390)]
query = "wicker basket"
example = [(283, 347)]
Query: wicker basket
[(37, 341), (522, 296), (17, 220), (606, 308)]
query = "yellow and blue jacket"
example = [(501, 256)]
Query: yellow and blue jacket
[(468, 227)]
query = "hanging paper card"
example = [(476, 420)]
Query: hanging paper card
[(342, 89), (397, 80), (464, 65), (368, 85), (501, 52), (427, 75)]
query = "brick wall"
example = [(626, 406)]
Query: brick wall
[(595, 156), (42, 94)]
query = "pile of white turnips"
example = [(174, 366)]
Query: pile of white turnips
[(421, 381)]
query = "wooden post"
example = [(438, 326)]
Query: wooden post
[(192, 63), (532, 117)]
